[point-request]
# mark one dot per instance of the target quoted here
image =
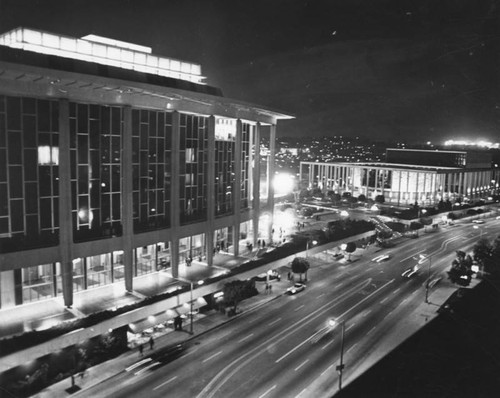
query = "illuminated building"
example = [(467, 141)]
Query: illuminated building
[(115, 163), (410, 176)]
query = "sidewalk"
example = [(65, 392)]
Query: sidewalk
[(211, 320)]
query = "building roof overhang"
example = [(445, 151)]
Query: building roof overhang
[(51, 76)]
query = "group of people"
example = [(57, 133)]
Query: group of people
[(151, 346)]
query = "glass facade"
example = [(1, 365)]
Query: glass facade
[(29, 173), (191, 247), (193, 168), (247, 135), (225, 134), (41, 282), (151, 165), (95, 154)]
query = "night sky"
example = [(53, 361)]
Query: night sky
[(383, 69)]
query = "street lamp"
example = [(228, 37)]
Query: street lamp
[(340, 367), (191, 305), (268, 275), (423, 258), (314, 243)]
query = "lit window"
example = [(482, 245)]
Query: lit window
[(48, 155)]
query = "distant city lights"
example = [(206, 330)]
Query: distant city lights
[(479, 143)]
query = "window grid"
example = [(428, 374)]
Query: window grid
[(193, 168), (29, 185), (247, 130), (151, 164), (95, 153), (224, 177)]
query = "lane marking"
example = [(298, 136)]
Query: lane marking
[(350, 326), (327, 369), (244, 338), (366, 312), (302, 364), (327, 344), (371, 330), (300, 393), (397, 290), (321, 295), (389, 313), (237, 364), (338, 285), (222, 336), (212, 356), (354, 345), (339, 317), (268, 391), (275, 321), (298, 308), (166, 382), (412, 255), (384, 300)]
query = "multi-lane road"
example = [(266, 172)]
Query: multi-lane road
[(281, 350)]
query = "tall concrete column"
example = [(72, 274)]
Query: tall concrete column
[(127, 198), (211, 190), (270, 178), (256, 184), (65, 218), (237, 187), (174, 193)]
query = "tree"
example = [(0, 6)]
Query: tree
[(350, 248), (380, 199), (460, 271), (300, 265), (482, 251), (236, 291), (361, 198)]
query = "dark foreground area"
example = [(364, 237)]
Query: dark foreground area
[(456, 355)]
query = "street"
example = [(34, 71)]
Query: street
[(285, 347)]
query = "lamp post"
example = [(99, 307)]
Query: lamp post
[(314, 243), (191, 305), (340, 367), (423, 258)]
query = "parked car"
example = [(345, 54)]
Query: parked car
[(478, 221), (297, 287), (274, 275)]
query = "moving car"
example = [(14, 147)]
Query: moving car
[(382, 257), (478, 221), (297, 287), (410, 272)]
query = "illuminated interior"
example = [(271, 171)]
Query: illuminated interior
[(102, 50)]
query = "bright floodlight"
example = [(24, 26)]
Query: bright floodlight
[(344, 213), (283, 184), (332, 323)]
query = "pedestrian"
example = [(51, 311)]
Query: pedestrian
[(263, 243), (151, 343), (288, 275), (141, 349), (267, 287), (270, 288)]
